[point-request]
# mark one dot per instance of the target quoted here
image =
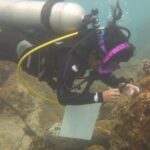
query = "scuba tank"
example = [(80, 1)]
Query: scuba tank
[(55, 15)]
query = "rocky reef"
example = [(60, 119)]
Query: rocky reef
[(133, 115), (146, 67), (26, 120)]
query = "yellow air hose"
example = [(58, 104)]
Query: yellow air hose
[(38, 48)]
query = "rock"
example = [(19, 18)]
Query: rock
[(39, 143), (12, 135), (106, 111), (6, 68), (67, 143), (36, 116), (3, 76), (132, 129), (146, 67), (102, 133), (26, 120), (144, 82), (96, 147)]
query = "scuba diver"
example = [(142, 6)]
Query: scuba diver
[(92, 55)]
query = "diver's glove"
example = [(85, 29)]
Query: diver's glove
[(129, 89)]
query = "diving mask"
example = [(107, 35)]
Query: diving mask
[(105, 66)]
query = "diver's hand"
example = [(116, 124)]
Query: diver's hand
[(130, 89), (111, 95)]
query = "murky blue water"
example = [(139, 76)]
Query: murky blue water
[(136, 17)]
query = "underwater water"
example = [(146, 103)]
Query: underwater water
[(28, 123), (136, 16)]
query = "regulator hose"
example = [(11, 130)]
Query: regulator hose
[(34, 50)]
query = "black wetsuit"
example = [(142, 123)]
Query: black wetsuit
[(60, 65)]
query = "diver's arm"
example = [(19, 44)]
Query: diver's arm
[(66, 96)]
